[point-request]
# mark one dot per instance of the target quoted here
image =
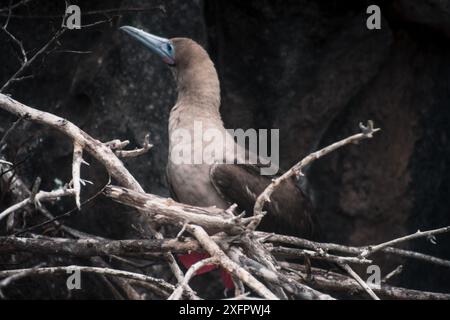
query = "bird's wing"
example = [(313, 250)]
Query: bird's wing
[(173, 195), (289, 210)]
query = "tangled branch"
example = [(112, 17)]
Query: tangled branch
[(253, 258)]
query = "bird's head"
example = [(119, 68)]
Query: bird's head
[(193, 69), (179, 52), (165, 48)]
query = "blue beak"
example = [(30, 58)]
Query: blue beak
[(161, 46)]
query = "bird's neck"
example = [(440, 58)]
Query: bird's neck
[(198, 97)]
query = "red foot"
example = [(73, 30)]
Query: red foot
[(189, 259)]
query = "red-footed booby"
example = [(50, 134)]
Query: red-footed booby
[(219, 182)]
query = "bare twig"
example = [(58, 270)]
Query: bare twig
[(320, 255), (5, 162), (103, 271), (360, 281), (87, 13), (296, 170), (136, 152), (419, 234), (39, 197), (24, 58), (117, 144), (328, 280), (243, 296), (293, 287), (76, 166), (213, 249), (97, 149), (16, 5), (177, 293), (96, 247), (317, 246), (7, 281), (260, 253), (392, 274), (168, 211), (19, 191), (245, 253), (29, 61)]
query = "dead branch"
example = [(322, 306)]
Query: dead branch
[(213, 249), (324, 247), (97, 149), (19, 191), (392, 274), (261, 254), (86, 13), (250, 256), (103, 271), (6, 162), (294, 287), (419, 234), (360, 281), (295, 253), (165, 210), (177, 293), (296, 170), (27, 62), (16, 5), (328, 280), (8, 132), (76, 166), (117, 144), (136, 152), (7, 281), (96, 247), (37, 199)]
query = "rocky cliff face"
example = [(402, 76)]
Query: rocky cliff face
[(311, 69)]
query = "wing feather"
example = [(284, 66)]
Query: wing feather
[(289, 210)]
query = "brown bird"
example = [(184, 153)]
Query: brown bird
[(218, 184), (225, 180)]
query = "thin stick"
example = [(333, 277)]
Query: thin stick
[(89, 247), (136, 152), (167, 210), (360, 281), (10, 129), (98, 150), (419, 234), (328, 280), (293, 253), (103, 271), (213, 249), (6, 162), (276, 278), (28, 62), (19, 190), (392, 274), (39, 197), (92, 12), (13, 6), (296, 170), (76, 166), (178, 292), (7, 281), (317, 246)]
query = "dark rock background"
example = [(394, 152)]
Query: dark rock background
[(310, 68)]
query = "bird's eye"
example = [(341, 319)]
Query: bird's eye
[(169, 48)]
